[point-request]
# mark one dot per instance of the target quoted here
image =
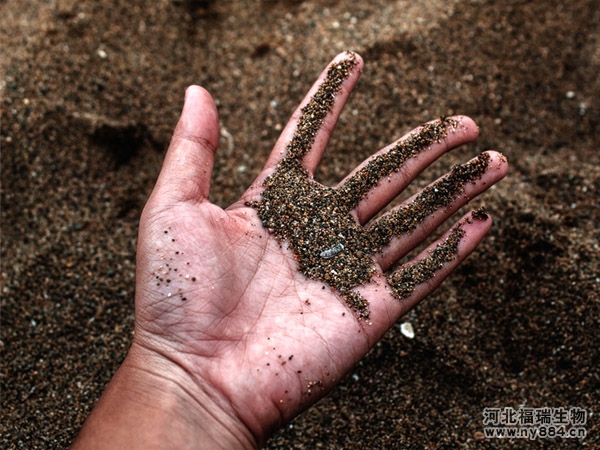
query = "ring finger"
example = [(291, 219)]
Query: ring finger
[(404, 227)]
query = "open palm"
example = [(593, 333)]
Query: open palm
[(221, 307)]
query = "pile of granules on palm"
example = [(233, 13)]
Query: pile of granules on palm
[(315, 220)]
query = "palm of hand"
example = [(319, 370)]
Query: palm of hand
[(280, 340), (221, 296)]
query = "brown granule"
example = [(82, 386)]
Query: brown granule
[(480, 214), (315, 220)]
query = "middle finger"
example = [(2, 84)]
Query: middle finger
[(378, 180)]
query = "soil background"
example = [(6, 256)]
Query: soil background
[(91, 91)]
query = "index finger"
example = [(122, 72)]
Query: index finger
[(308, 131)]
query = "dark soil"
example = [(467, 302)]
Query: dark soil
[(92, 90)]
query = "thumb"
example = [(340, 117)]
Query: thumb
[(187, 168)]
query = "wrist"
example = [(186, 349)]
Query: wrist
[(153, 403)]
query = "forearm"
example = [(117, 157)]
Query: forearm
[(142, 410)]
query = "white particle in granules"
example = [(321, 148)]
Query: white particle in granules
[(407, 330)]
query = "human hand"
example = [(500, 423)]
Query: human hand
[(248, 315)]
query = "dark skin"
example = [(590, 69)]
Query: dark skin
[(231, 341)]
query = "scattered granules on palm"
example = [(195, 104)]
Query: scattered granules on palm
[(315, 220), (404, 280)]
